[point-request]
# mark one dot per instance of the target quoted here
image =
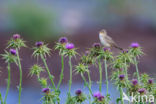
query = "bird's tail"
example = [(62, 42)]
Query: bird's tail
[(115, 46)]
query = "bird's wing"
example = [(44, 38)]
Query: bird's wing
[(110, 40)]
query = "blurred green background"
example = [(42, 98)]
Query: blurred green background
[(80, 20)]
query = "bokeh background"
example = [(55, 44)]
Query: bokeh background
[(80, 20)]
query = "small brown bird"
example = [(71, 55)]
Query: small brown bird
[(106, 40)]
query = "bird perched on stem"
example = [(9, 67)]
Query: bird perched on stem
[(106, 40)]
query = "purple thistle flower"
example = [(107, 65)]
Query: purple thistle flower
[(13, 51), (78, 92), (100, 98), (97, 94), (70, 46), (107, 49), (142, 90), (134, 82), (135, 45), (97, 45), (121, 77), (63, 40), (16, 36), (150, 81), (39, 44), (46, 90)]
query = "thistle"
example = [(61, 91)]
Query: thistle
[(49, 96), (99, 98), (70, 51), (9, 57), (107, 56), (41, 50), (80, 97), (95, 52), (16, 42), (136, 51), (82, 69), (61, 47)]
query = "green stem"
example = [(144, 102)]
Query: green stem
[(1, 98), (20, 70), (121, 95), (90, 82), (100, 72), (90, 91), (137, 70), (70, 80), (47, 69), (126, 70), (106, 72), (126, 73), (8, 84), (62, 70), (90, 85)]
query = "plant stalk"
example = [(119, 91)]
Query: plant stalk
[(90, 91), (70, 79), (1, 98), (62, 70), (47, 69), (137, 70), (100, 72), (8, 84), (90, 85), (20, 70), (106, 74), (121, 95)]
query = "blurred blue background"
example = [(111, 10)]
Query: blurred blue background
[(80, 20)]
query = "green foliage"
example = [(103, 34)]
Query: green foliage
[(30, 19)]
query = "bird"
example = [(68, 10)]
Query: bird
[(107, 41)]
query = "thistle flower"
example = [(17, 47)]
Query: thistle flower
[(135, 50), (135, 45), (41, 51), (81, 68), (69, 50), (63, 40), (106, 49), (60, 45), (78, 92), (70, 46), (96, 45), (46, 90), (16, 42), (100, 98), (142, 91), (39, 44), (43, 82), (10, 57), (150, 81), (97, 94), (134, 82), (36, 69), (121, 77), (13, 51), (16, 36)]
